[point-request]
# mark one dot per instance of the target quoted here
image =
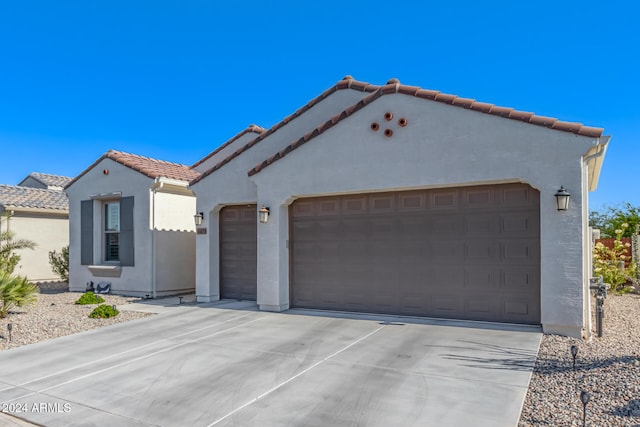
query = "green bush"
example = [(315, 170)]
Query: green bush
[(60, 263), (15, 291), (103, 311), (89, 298)]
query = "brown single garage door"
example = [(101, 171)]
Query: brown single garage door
[(238, 252), (464, 253)]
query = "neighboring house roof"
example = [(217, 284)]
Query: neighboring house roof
[(147, 166), (393, 86), (251, 128), (14, 196), (48, 180), (346, 83)]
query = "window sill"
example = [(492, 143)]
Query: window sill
[(105, 270)]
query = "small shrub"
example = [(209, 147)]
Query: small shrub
[(103, 311), (610, 262), (89, 298), (15, 291), (60, 263)]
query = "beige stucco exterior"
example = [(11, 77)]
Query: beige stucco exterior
[(49, 229)]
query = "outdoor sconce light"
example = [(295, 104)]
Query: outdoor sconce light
[(562, 199), (263, 214), (198, 218)]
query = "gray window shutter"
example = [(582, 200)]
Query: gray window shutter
[(86, 232), (126, 231)]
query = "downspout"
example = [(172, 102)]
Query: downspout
[(156, 186), (600, 151)]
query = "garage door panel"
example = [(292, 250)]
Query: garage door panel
[(468, 253), (482, 225), (448, 225), (520, 250), (383, 203), (520, 279), (444, 200), (412, 201), (482, 278), (519, 196), (447, 305), (482, 251), (238, 252), (478, 198), (481, 308), (520, 310), (521, 224)]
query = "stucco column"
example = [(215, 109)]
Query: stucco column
[(562, 262), (273, 259), (208, 260)]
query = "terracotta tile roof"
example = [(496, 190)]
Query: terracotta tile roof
[(394, 86), (251, 128), (49, 180), (346, 83), (15, 196), (145, 165)]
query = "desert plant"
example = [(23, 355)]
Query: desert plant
[(89, 298), (610, 262), (60, 263), (8, 245), (15, 291), (103, 311)]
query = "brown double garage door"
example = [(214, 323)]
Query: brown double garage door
[(464, 253)]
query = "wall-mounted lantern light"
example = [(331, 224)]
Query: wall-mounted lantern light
[(198, 218), (562, 199), (263, 214)]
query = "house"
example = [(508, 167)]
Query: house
[(400, 200), (131, 225), (36, 209)]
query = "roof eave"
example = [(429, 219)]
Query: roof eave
[(594, 159)]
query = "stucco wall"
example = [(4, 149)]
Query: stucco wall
[(175, 262), (440, 146), (135, 280), (174, 242), (174, 212), (230, 185), (49, 231)]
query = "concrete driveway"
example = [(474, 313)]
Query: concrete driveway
[(227, 364)]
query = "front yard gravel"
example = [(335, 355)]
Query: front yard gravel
[(56, 315), (608, 368)]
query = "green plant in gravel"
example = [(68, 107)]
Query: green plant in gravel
[(89, 298), (610, 262), (60, 263), (15, 291), (103, 311)]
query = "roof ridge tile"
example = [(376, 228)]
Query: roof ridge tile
[(394, 86)]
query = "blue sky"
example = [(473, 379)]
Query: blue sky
[(175, 79)]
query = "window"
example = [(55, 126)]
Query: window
[(112, 231), (113, 228)]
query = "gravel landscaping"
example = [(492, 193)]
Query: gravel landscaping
[(608, 368), (56, 315)]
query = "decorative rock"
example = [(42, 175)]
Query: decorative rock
[(606, 367)]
